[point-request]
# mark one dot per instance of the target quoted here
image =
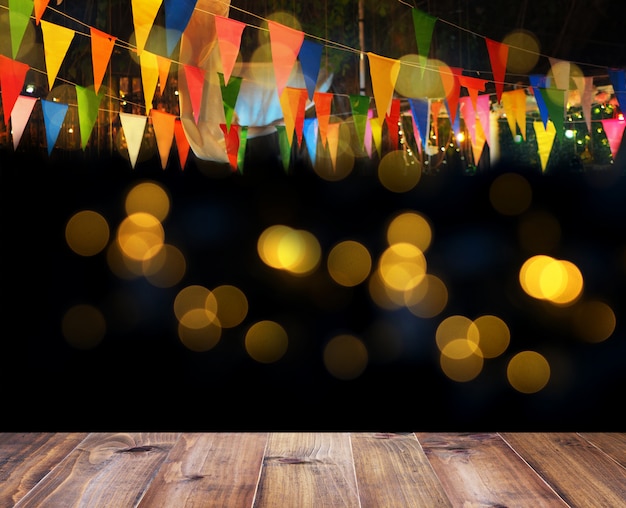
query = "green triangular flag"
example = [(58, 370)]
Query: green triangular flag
[(360, 106), (88, 104), (19, 17), (554, 99), (229, 96), (285, 146), (241, 154), (424, 24)]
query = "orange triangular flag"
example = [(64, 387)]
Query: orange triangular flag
[(295, 102), (498, 56), (285, 45), (435, 108), (12, 76), (149, 77), (56, 42), (101, 49), (163, 124), (133, 127), (514, 104), (195, 86), (19, 116), (384, 74), (144, 14), (182, 143), (164, 65), (478, 144), (40, 7), (229, 33), (323, 104), (333, 142)]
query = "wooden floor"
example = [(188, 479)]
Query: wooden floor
[(316, 469)]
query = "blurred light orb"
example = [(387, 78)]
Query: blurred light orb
[(523, 53), (402, 266), (83, 326), (167, 268), (349, 263), (593, 321), (428, 299), (546, 278), (399, 172), (491, 334), (293, 250), (266, 341), (140, 236), (510, 194), (538, 231), (528, 372), (202, 336), (232, 305), (452, 328), (87, 233), (345, 357), (148, 197), (410, 227), (195, 297), (458, 362)]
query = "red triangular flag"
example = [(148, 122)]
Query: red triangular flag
[(12, 76), (229, 33), (498, 56)]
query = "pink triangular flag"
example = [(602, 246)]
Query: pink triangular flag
[(498, 56), (182, 143), (384, 74), (468, 113), (22, 109), (163, 124), (133, 127), (483, 110), (367, 138), (614, 130), (56, 42), (229, 32), (195, 86), (285, 43), (12, 76)]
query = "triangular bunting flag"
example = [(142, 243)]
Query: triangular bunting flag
[(537, 82), (163, 125), (243, 141), (376, 124), (360, 105), (19, 117), (144, 13), (368, 134), (452, 86), (177, 15), (40, 7), (392, 120), (182, 143), (498, 56), (229, 32), (514, 104), (311, 137), (483, 110), (12, 76), (618, 80), (285, 43), (164, 65), (466, 108), (554, 99), (420, 109), (284, 146), (310, 57), (230, 93), (231, 135), (101, 49), (423, 25), (195, 85), (478, 145), (473, 86), (149, 77), (323, 105), (56, 42), (384, 74), (88, 104), (19, 18), (133, 127), (333, 143), (53, 116), (545, 139), (614, 130)]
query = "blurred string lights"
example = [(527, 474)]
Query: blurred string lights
[(396, 276)]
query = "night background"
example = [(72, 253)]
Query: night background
[(131, 368)]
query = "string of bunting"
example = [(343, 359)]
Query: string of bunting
[(290, 46)]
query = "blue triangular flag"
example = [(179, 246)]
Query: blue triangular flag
[(420, 108), (310, 56), (177, 16), (537, 82), (53, 116), (618, 80), (310, 132)]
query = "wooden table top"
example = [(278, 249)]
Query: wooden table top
[(312, 469)]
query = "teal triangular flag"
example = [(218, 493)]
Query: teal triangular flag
[(53, 116)]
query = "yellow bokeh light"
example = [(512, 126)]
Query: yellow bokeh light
[(491, 334), (195, 297), (140, 235), (398, 172), (452, 328), (463, 369), (428, 299), (410, 227), (285, 248), (167, 268), (266, 341), (402, 266), (593, 321), (232, 305), (420, 77), (202, 337), (510, 194), (528, 372), (148, 197), (546, 278), (83, 326), (345, 357), (523, 51), (87, 233), (349, 263)]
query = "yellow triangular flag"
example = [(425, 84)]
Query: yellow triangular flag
[(545, 140), (376, 124), (56, 42), (514, 104), (384, 74), (149, 77), (164, 70), (144, 14), (163, 124)]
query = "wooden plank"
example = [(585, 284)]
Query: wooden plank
[(105, 469), (25, 458), (209, 470), (582, 474), (481, 470), (392, 470), (308, 470), (611, 443)]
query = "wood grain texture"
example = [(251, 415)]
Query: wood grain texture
[(582, 474), (26, 458), (481, 470), (393, 471), (107, 469), (613, 444), (209, 470), (308, 470)]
